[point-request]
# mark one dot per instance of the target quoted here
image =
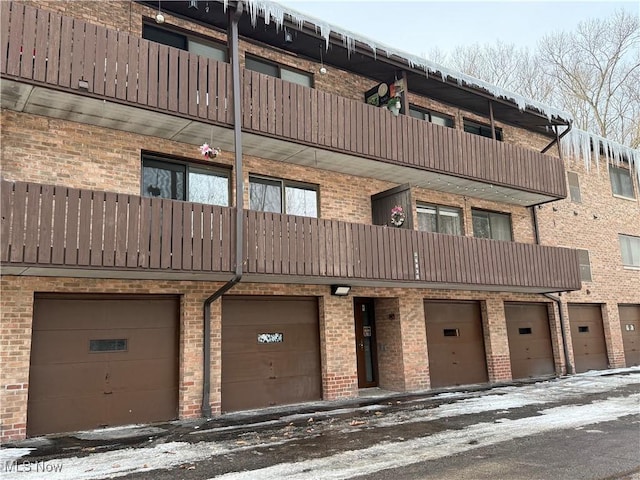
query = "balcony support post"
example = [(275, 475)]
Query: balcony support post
[(492, 119), (234, 17)]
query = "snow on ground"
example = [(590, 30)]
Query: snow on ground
[(385, 455), (388, 455)]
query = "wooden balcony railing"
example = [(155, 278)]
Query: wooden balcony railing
[(52, 226), (43, 48)]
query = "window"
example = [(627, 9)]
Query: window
[(574, 187), (439, 219), (630, 248), (184, 42), (482, 130), (278, 71), (585, 265), (621, 183), (266, 195), (181, 181), (108, 345), (491, 225), (433, 117)]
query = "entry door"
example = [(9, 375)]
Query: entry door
[(366, 343)]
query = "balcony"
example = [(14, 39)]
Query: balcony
[(67, 68), (53, 230)]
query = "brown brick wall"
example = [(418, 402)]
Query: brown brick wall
[(594, 225), (57, 151), (400, 319)]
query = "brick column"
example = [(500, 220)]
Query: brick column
[(337, 346), (389, 340), (496, 341), (414, 343), (613, 335), (402, 344), (15, 353)]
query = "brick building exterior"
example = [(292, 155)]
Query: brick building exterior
[(86, 160)]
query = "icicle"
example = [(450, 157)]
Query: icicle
[(587, 147), (579, 143)]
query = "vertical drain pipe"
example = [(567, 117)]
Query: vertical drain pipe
[(234, 17), (565, 347), (558, 300)]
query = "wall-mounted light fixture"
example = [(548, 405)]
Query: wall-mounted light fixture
[(288, 37), (193, 4), (340, 290)]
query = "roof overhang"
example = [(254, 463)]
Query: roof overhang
[(357, 55)]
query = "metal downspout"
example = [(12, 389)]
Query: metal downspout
[(234, 16), (558, 300), (558, 138), (565, 347)]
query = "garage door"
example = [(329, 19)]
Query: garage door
[(587, 336), (270, 351), (455, 343), (630, 323), (98, 361), (529, 339)]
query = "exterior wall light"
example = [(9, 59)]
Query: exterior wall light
[(340, 290)]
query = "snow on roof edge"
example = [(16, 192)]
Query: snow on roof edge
[(577, 143), (273, 11)]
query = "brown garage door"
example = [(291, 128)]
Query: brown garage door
[(101, 361), (455, 343), (270, 351), (587, 336), (529, 339), (630, 323)]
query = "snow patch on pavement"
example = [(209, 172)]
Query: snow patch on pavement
[(385, 455), (399, 454)]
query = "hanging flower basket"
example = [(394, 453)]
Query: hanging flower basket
[(397, 216), (209, 151), (394, 105)]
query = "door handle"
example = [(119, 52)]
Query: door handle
[(361, 344)]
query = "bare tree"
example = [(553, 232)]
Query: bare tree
[(592, 72), (592, 69)]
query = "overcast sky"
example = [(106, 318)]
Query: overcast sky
[(419, 25)]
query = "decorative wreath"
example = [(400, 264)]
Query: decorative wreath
[(397, 216)]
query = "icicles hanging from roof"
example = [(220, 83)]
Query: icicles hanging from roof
[(576, 143), (587, 147), (272, 11)]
